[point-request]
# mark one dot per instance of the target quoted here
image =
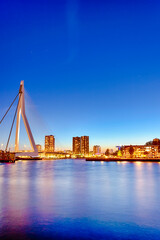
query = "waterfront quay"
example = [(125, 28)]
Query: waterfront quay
[(122, 159)]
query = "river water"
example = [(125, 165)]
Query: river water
[(75, 199)]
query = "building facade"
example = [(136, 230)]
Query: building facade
[(76, 145), (141, 151), (156, 141), (49, 143), (39, 147), (85, 145), (96, 150)]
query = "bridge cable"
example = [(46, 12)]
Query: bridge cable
[(9, 108), (13, 121)]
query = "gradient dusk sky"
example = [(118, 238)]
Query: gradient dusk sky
[(89, 68)]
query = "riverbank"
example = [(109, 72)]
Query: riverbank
[(124, 159)]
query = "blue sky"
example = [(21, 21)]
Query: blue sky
[(90, 68)]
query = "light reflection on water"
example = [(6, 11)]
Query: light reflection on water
[(67, 199)]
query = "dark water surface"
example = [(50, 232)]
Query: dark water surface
[(74, 199)]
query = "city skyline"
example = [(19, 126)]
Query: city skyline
[(89, 70), (57, 148), (80, 119)]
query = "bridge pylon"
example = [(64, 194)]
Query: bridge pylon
[(21, 112)]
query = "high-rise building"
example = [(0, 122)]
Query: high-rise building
[(76, 145), (49, 143), (39, 147), (96, 150), (85, 145)]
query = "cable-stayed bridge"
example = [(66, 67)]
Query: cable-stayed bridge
[(20, 112)]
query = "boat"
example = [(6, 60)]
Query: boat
[(7, 157), (28, 158)]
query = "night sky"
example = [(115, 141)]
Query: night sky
[(89, 67)]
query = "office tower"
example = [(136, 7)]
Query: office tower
[(96, 150), (49, 143), (39, 147), (85, 145), (76, 145)]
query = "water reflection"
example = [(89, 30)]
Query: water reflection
[(73, 199)]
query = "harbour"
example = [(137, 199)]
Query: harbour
[(88, 200), (79, 120)]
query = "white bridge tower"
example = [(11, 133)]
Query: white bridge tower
[(21, 111)]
